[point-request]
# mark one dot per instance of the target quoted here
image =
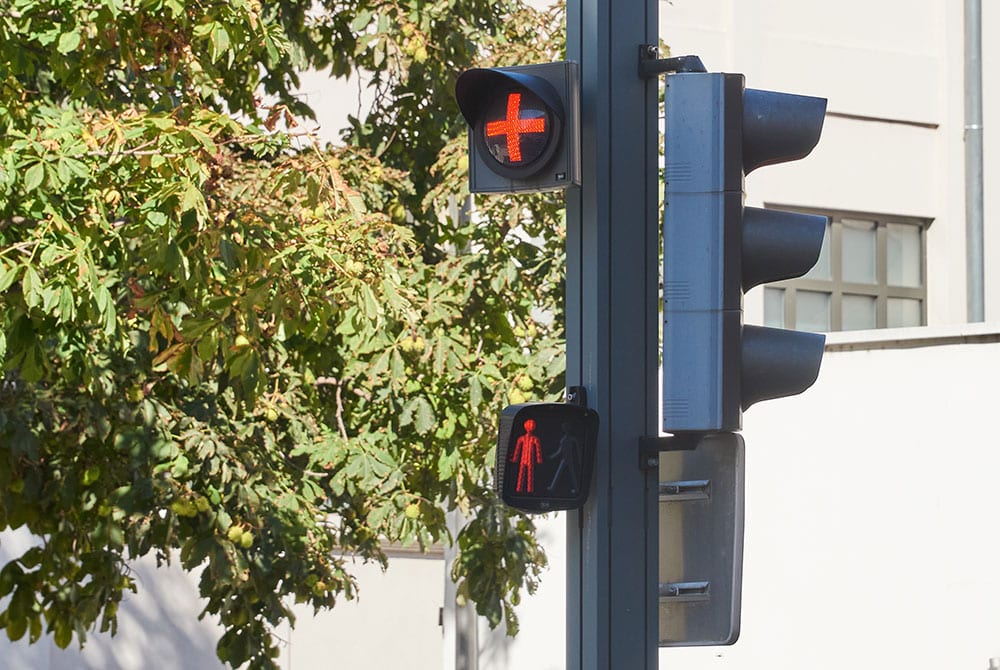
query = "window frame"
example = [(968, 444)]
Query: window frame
[(836, 288)]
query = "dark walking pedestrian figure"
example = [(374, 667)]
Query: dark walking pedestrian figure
[(569, 452)]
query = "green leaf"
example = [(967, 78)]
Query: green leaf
[(34, 176), (31, 286), (220, 40), (475, 392), (16, 627), (35, 629), (361, 20), (67, 305), (370, 305), (288, 502), (192, 197), (9, 277), (420, 413), (446, 465), (68, 42), (63, 633)]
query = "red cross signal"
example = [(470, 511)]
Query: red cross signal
[(514, 125), (517, 129)]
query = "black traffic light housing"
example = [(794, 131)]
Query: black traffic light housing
[(523, 127), (715, 249), (545, 455)]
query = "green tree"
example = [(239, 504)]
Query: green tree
[(226, 346)]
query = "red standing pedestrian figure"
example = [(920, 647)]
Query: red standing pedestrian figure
[(529, 449)]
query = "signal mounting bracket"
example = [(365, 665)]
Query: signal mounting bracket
[(576, 395), (651, 66)]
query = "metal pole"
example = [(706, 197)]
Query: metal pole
[(974, 160), (612, 336)]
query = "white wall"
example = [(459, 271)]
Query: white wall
[(871, 518), (393, 624), (991, 149), (332, 100)]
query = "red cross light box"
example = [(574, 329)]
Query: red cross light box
[(523, 127), (545, 455)]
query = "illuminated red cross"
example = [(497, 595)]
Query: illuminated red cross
[(514, 126)]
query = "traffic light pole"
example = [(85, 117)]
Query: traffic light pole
[(612, 336)]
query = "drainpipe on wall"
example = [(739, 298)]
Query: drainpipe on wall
[(974, 160)]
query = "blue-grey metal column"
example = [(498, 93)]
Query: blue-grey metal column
[(612, 336)]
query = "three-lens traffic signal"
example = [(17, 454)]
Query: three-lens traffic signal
[(714, 367), (523, 127)]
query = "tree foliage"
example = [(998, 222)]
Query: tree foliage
[(226, 346)]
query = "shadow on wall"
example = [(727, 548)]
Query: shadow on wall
[(158, 627)]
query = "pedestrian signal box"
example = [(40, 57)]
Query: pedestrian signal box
[(523, 127), (545, 456)]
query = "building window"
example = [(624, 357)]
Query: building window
[(871, 273)]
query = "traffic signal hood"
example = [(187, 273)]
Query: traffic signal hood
[(545, 456), (523, 127), (715, 249)]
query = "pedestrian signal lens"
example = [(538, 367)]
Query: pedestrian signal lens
[(545, 456)]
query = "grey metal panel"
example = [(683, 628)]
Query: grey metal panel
[(701, 542)]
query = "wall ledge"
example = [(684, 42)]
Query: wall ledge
[(910, 338)]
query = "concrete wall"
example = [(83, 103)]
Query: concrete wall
[(393, 624)]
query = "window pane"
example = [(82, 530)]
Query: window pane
[(904, 312), (812, 311), (858, 260), (904, 254), (822, 268), (774, 307), (858, 312)]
